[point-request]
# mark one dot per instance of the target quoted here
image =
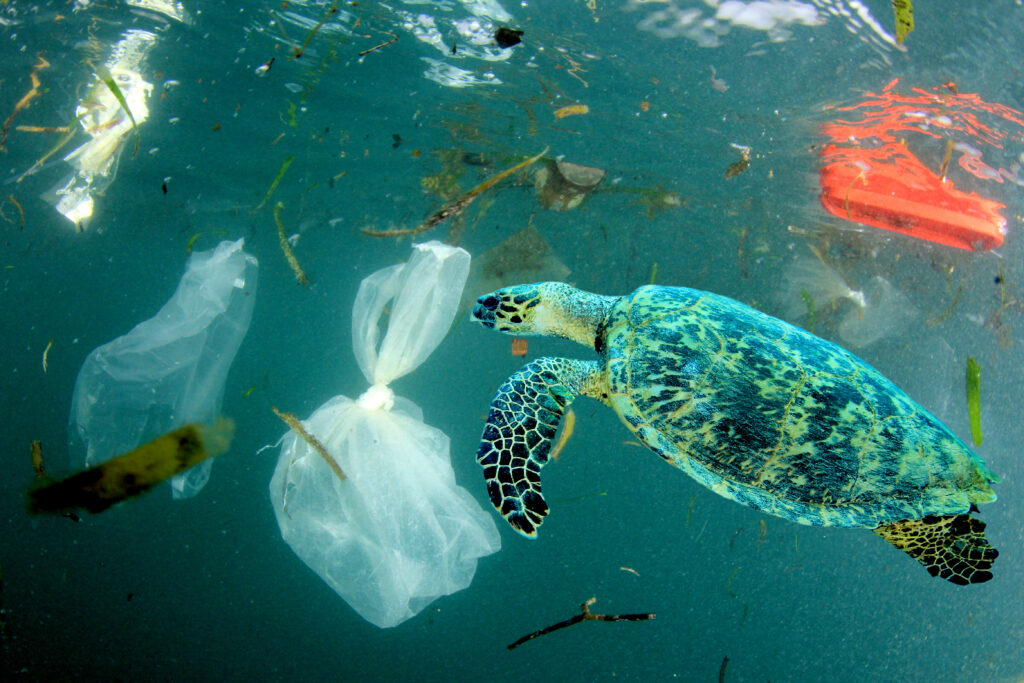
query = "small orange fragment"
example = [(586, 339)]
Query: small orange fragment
[(645, 106), (519, 346)]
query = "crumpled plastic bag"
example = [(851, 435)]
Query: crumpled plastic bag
[(398, 532), (169, 370)]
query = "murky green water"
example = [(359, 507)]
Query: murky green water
[(206, 589)]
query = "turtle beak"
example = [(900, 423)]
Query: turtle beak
[(483, 311)]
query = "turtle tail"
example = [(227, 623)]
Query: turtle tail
[(517, 438), (952, 547)]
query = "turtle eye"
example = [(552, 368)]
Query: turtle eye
[(488, 302)]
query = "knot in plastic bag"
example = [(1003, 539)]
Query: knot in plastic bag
[(377, 397)]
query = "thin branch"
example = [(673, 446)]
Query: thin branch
[(584, 615)]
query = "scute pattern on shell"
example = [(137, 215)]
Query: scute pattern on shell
[(771, 416)]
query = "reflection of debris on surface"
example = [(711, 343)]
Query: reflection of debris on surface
[(584, 615), (885, 311), (871, 176), (104, 115), (507, 37), (135, 472), (562, 186)]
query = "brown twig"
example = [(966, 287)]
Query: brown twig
[(297, 427), (21, 212), (452, 208), (377, 47), (584, 615)]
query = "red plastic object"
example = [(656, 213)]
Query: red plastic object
[(889, 188), (869, 175)]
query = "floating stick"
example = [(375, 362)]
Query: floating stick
[(377, 47), (133, 473), (585, 615), (453, 208)]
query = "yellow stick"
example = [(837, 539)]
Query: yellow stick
[(567, 427)]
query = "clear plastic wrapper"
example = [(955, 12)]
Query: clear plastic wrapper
[(169, 370), (397, 532)]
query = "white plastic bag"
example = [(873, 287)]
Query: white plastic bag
[(169, 370), (398, 532)]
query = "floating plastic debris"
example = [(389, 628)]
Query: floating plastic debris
[(871, 176)]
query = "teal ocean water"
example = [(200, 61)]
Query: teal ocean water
[(706, 117)]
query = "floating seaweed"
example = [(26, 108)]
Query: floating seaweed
[(974, 399), (286, 247), (108, 80), (274, 183), (309, 37), (904, 12)]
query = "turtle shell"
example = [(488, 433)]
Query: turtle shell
[(766, 414)]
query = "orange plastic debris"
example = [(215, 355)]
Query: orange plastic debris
[(890, 188), (870, 176), (519, 346)]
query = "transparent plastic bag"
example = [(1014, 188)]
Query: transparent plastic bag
[(398, 532), (169, 370)]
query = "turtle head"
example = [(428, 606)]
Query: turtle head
[(544, 308)]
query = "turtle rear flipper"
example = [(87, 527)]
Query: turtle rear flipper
[(520, 428), (952, 547)]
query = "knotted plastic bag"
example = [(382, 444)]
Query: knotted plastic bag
[(169, 370), (397, 532)]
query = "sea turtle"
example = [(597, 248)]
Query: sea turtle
[(758, 410)]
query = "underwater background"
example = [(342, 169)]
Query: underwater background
[(706, 116)]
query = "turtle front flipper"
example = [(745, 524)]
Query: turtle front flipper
[(520, 428), (952, 547)]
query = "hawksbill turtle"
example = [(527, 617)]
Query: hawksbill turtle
[(758, 410)]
